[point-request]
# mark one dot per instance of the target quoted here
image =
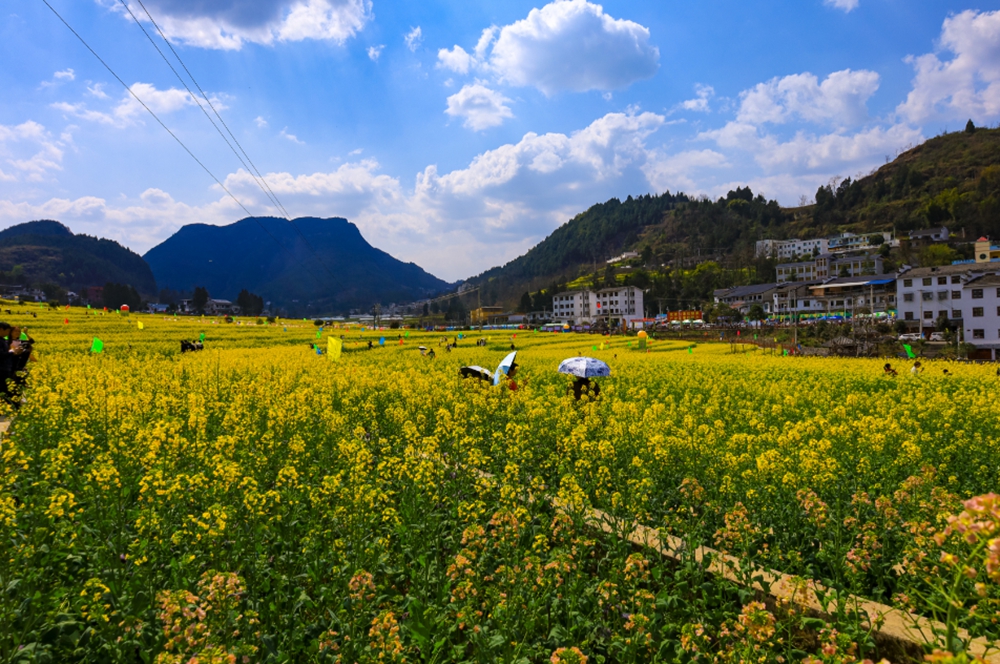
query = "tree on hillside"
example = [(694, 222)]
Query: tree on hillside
[(115, 295), (525, 305), (199, 299), (756, 312), (427, 309), (970, 128), (250, 304), (937, 254)]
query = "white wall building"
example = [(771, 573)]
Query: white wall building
[(617, 305), (925, 294), (620, 304), (980, 308), (574, 307), (792, 248)]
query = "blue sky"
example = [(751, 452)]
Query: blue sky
[(458, 134)]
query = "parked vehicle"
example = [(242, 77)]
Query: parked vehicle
[(937, 336), (911, 336)]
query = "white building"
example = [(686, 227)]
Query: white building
[(980, 309), (792, 248), (620, 304), (925, 294), (616, 306), (574, 307)]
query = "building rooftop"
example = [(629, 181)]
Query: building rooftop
[(984, 280), (928, 232), (743, 291), (916, 272)]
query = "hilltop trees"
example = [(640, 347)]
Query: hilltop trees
[(250, 304)]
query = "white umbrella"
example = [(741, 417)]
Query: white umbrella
[(503, 367), (476, 372), (584, 367)]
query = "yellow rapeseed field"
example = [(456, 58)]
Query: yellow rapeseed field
[(258, 502)]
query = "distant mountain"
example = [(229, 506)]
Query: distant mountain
[(47, 252), (313, 267)]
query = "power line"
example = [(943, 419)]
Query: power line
[(252, 169), (167, 129)]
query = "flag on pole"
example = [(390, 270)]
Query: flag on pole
[(690, 351), (319, 334), (65, 321), (333, 348), (97, 346), (909, 351), (141, 326), (201, 338), (381, 341), (24, 336)]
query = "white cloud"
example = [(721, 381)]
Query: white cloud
[(967, 84), (480, 107), (60, 77), (291, 137), (414, 38), (676, 172), (495, 208), (805, 152), (456, 59), (572, 45), (228, 24), (839, 100), (374, 52), (30, 151), (97, 90), (700, 102), (128, 111), (847, 5), (260, 122)]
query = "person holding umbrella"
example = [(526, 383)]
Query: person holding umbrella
[(584, 368)]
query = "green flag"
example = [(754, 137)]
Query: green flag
[(630, 344), (593, 347), (909, 351), (24, 336), (690, 352), (319, 334), (202, 337), (407, 335), (786, 352), (97, 346)]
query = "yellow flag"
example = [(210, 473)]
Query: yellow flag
[(141, 326), (333, 347)]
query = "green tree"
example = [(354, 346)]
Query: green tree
[(525, 305), (115, 295), (647, 254), (970, 128), (937, 254), (756, 312), (249, 304), (199, 299), (426, 309)]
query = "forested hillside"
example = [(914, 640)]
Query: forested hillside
[(951, 180)]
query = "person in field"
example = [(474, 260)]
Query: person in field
[(916, 370), (888, 370), (10, 353), (583, 387), (510, 374)]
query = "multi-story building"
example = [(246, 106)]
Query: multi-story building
[(925, 294), (980, 307), (829, 266), (791, 248), (855, 242), (875, 294), (742, 298), (986, 252), (619, 305), (574, 307)]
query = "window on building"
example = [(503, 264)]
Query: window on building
[(979, 334), (929, 315), (956, 278), (998, 311), (977, 312), (908, 315), (977, 293), (998, 292), (942, 281), (956, 295), (943, 295), (927, 281), (927, 295), (942, 314), (955, 313), (907, 282)]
